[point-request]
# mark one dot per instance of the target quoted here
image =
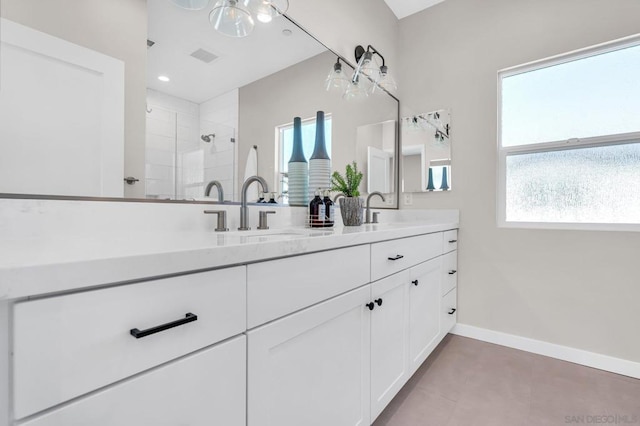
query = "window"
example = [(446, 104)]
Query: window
[(569, 141), (285, 142)]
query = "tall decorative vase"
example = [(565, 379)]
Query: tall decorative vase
[(298, 169), (430, 186), (319, 163), (445, 179)]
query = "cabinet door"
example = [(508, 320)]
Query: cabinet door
[(207, 388), (424, 311), (312, 368), (389, 339)]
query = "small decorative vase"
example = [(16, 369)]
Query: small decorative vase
[(319, 163), (430, 186), (351, 210), (298, 169), (445, 180)]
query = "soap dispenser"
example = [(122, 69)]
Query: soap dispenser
[(316, 211), (329, 209)]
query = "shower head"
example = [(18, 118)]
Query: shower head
[(208, 138)]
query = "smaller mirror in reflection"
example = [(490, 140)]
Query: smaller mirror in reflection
[(426, 152)]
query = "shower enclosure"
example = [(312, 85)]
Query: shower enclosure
[(183, 153)]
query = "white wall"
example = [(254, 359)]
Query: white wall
[(575, 288), (117, 28)]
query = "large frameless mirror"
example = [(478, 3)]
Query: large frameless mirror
[(77, 120)]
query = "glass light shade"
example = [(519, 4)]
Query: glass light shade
[(355, 91), (191, 4), (336, 80), (385, 81), (266, 10), (231, 18)]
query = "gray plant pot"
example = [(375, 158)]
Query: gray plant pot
[(351, 210)]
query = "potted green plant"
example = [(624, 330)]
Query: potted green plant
[(351, 205)]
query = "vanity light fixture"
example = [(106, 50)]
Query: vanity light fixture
[(236, 18), (378, 78), (164, 78)]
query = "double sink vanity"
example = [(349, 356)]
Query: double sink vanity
[(288, 326)]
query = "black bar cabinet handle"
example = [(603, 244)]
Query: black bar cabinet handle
[(189, 317), (379, 301), (370, 305), (414, 282), (453, 310), (397, 257), (453, 271), (453, 241)]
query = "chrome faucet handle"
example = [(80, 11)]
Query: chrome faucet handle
[(222, 219), (375, 217), (263, 219)]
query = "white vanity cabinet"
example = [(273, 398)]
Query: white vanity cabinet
[(312, 367), (321, 338)]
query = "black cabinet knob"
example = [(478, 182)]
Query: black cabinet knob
[(379, 302), (396, 257), (453, 241), (453, 271), (452, 311), (370, 305), (414, 282)]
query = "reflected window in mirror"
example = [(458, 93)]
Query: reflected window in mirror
[(426, 152), (285, 148)]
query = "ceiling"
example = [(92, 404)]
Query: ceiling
[(178, 32), (404, 8)]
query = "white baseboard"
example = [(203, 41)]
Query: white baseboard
[(565, 353)]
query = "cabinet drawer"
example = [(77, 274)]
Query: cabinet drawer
[(389, 257), (68, 345), (279, 287), (450, 241), (449, 271), (207, 388), (449, 311)]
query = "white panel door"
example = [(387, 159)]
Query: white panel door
[(61, 116), (424, 311), (311, 368), (207, 388), (389, 339)]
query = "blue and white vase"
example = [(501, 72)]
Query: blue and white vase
[(319, 163), (445, 180), (298, 169)]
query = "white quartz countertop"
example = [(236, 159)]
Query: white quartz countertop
[(37, 265)]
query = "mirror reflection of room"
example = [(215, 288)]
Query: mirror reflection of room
[(426, 152)]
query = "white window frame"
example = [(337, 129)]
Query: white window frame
[(589, 142)]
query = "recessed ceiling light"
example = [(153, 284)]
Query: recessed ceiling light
[(164, 78), (287, 32)]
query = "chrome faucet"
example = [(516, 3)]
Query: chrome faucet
[(368, 207), (218, 185), (244, 225), (335, 199)]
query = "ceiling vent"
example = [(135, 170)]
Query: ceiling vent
[(150, 43), (204, 55)]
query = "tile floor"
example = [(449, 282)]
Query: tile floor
[(466, 382)]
